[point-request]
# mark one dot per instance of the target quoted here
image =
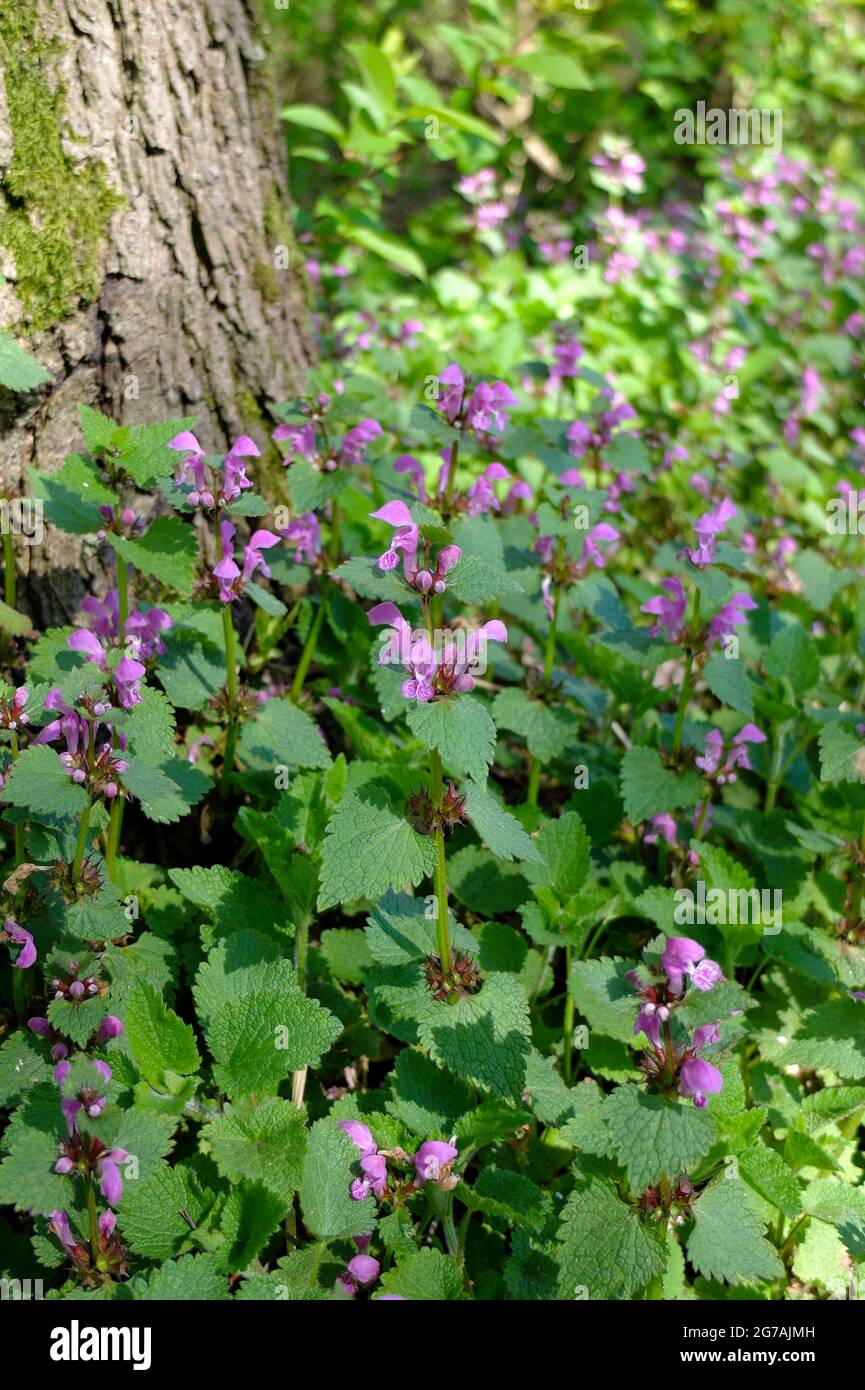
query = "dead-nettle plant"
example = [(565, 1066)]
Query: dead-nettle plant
[(350, 833)]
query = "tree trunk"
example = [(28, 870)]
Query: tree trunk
[(144, 238)]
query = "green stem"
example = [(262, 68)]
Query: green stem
[(94, 1219), (334, 532), (440, 882), (549, 660), (775, 771), (10, 593), (856, 904), (688, 682), (568, 1030), (704, 809), (114, 823), (19, 825), (122, 598), (308, 652), (301, 946), (230, 642), (452, 478), (81, 844)]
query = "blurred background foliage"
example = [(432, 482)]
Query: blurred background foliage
[(482, 180)]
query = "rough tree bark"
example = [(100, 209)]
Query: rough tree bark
[(144, 239)]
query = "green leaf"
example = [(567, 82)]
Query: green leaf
[(559, 69), (98, 429), (144, 451), (424, 1276), (150, 1218), (281, 735), (159, 1041), (765, 1171), (195, 1278), (500, 831), (27, 1178), (831, 1036), (259, 1039), (329, 1210), (18, 624), (389, 248), (367, 580), (604, 996), (565, 862), (18, 370), (73, 495), (484, 1037), (793, 657), (473, 580), (40, 782), (23, 1064), (428, 1099), (842, 755), (727, 1242), (656, 1137), (648, 789), (726, 679), (604, 1247), (462, 731), (313, 118), (265, 1142), (230, 897), (545, 729), (77, 1020), (368, 849), (400, 929), (168, 551)]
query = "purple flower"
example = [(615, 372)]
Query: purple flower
[(480, 496), (699, 1079), (670, 611), (730, 616), (406, 538), (708, 528), (60, 1222), (706, 975), (489, 405), (192, 469), (304, 533), (252, 556), (363, 1269), (663, 827), (110, 1027), (592, 553), (450, 402), (41, 1026), (579, 438), (359, 1136), (567, 354), (301, 440), (374, 1169), (357, 439), (710, 761), (23, 938), (234, 479), (106, 1223), (681, 957), (226, 572), (433, 1160), (111, 1183), (648, 1021)]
